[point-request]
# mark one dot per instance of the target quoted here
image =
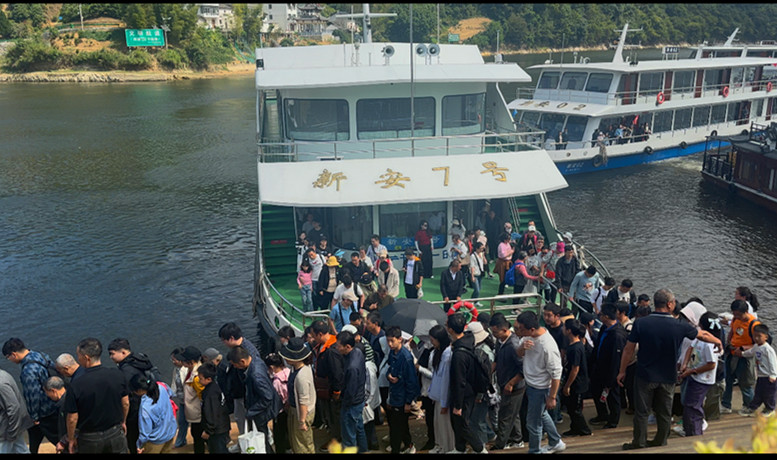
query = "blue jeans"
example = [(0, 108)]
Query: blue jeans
[(17, 446), (352, 427), (739, 372), (307, 297), (480, 421), (183, 426), (476, 287), (538, 419)]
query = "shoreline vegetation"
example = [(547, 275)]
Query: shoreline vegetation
[(73, 75)]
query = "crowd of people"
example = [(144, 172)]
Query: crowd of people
[(481, 382)]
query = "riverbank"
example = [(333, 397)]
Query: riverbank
[(119, 76)]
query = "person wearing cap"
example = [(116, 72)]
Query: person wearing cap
[(413, 278), (302, 395), (211, 355), (341, 312), (529, 239), (484, 345), (353, 395), (327, 283), (262, 402), (462, 393), (457, 228)]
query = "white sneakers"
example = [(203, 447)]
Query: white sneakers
[(679, 430), (725, 410), (560, 447), (512, 445), (436, 450)]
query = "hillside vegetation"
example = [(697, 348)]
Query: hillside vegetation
[(48, 36)]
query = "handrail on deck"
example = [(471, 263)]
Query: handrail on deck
[(493, 307), (631, 97), (441, 145)]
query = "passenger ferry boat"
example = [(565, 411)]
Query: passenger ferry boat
[(748, 168), (649, 110), (335, 139)]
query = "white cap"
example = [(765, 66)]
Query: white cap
[(568, 235)]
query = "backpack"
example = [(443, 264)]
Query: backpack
[(750, 331), (510, 275), (482, 382)]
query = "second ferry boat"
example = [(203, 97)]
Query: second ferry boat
[(607, 115)]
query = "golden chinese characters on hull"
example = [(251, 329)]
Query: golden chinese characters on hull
[(495, 171), (392, 178), (325, 179)]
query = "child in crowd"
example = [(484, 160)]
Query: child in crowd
[(279, 374), (305, 283), (699, 368), (766, 366), (215, 417)]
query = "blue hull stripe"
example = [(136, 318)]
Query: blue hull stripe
[(569, 168)]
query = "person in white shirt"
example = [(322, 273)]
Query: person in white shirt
[(542, 372), (766, 367)]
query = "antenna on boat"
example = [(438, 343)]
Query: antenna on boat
[(366, 15), (618, 58), (730, 40)]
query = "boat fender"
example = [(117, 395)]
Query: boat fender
[(714, 133), (683, 145), (597, 161), (648, 150), (725, 91), (768, 87), (467, 308), (660, 98)]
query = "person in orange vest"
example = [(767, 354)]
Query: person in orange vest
[(740, 337)]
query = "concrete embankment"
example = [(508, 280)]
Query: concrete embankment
[(87, 76)]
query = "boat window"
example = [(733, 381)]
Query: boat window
[(682, 118), (530, 120), (400, 222), (573, 81), (718, 114), (463, 114), (737, 75), (548, 80), (349, 227), (738, 111), (599, 82), (701, 115), (758, 108), (626, 87), (712, 79), (650, 83), (316, 119), (390, 118), (684, 81), (662, 121), (552, 123), (769, 74), (575, 128), (749, 76)]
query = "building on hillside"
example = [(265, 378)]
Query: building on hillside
[(281, 17), (216, 16)]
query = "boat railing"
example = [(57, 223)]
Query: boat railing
[(487, 142), (568, 96), (528, 301)]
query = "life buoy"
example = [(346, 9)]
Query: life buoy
[(467, 308), (683, 145), (714, 133), (648, 150), (660, 98), (744, 132), (725, 91), (597, 161), (768, 86)]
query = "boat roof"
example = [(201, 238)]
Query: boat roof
[(348, 65), (661, 65)]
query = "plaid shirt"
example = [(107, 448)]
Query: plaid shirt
[(33, 376)]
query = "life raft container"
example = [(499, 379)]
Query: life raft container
[(467, 308)]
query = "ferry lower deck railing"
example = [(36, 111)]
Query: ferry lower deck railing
[(488, 142), (582, 96), (531, 301)]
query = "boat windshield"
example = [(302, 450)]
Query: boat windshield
[(599, 82), (316, 119), (390, 118), (463, 114), (548, 80)]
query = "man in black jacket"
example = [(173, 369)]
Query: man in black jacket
[(413, 277), (215, 417), (353, 396), (452, 284), (131, 364), (329, 377), (607, 359), (462, 393)]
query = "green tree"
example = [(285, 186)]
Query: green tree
[(33, 12), (139, 16), (424, 23), (6, 27)]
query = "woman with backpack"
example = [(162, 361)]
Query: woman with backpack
[(156, 421), (521, 275)]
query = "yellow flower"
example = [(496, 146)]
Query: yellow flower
[(337, 448)]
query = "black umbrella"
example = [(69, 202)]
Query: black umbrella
[(414, 316)]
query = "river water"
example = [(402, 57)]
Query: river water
[(129, 210)]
